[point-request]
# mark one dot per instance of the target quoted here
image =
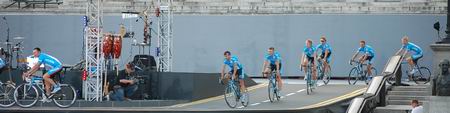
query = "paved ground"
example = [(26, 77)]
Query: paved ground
[(293, 97)]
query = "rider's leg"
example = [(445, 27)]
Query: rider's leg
[(273, 67), (325, 66), (305, 61), (410, 62), (241, 82), (47, 77), (48, 84), (314, 70)]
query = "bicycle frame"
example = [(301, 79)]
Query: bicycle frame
[(273, 78), (232, 83), (38, 86)]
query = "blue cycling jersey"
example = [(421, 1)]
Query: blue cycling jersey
[(367, 50), (412, 48), (49, 61), (273, 58), (230, 63), (309, 51), (323, 47), (2, 63)]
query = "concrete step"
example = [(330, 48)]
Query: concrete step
[(403, 97), (410, 93), (403, 102), (393, 109), (411, 88)]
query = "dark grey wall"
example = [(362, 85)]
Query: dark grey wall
[(199, 41)]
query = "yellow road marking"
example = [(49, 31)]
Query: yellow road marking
[(334, 100), (218, 97)]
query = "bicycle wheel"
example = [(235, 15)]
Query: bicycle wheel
[(230, 96), (7, 95), (26, 95), (308, 82), (271, 90), (422, 76), (374, 72), (366, 75), (65, 97), (245, 98), (327, 76), (353, 76)]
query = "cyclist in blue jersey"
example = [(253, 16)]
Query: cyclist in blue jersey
[(308, 56), (414, 50), (50, 62), (272, 63), (325, 55), (367, 55), (235, 68)]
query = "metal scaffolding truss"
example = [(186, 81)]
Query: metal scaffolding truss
[(165, 36), (92, 86)]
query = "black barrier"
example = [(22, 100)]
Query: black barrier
[(157, 85)]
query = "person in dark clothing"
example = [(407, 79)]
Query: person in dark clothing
[(124, 85)]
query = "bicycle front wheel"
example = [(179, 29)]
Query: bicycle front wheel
[(245, 98), (271, 90), (327, 76), (230, 97), (353, 76), (26, 95), (422, 76), (7, 95), (65, 97)]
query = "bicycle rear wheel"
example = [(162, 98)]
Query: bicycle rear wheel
[(422, 76), (353, 76), (65, 97), (230, 97), (26, 95), (366, 77), (7, 95)]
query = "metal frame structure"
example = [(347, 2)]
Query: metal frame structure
[(165, 36), (94, 65)]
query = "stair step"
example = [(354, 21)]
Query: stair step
[(403, 97), (393, 109), (403, 102), (410, 88), (411, 93)]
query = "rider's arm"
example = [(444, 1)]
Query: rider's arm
[(264, 65), (223, 71), (278, 66), (315, 55), (399, 51), (34, 68), (364, 57), (326, 53), (125, 81), (302, 58), (354, 55), (235, 66)]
